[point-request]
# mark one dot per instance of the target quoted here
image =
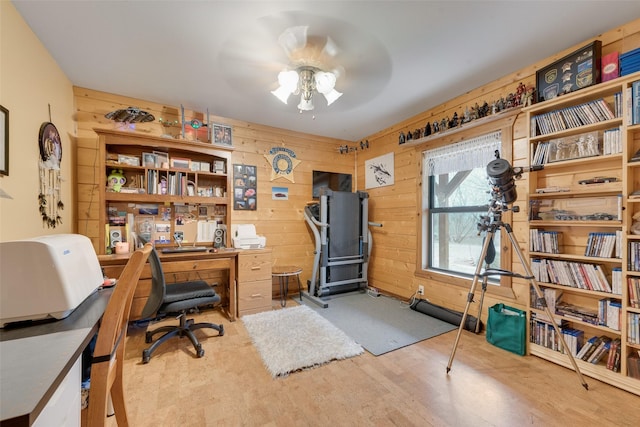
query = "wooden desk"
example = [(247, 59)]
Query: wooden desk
[(35, 360), (174, 265)]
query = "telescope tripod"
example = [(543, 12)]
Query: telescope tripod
[(491, 228)]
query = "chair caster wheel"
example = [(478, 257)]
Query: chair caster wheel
[(145, 356), (148, 338), (200, 351), (221, 333)]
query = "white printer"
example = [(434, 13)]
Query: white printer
[(46, 277), (245, 237)]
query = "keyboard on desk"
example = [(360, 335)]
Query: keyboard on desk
[(184, 249)]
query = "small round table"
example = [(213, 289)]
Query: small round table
[(283, 272)]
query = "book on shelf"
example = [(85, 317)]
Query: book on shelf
[(609, 312), (609, 66), (613, 358), (545, 241), (600, 245), (634, 291), (635, 102), (588, 346), (633, 329), (571, 311), (572, 274), (612, 141), (601, 350)]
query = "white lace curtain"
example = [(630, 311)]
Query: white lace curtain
[(462, 156)]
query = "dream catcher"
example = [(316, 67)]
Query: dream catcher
[(49, 197)]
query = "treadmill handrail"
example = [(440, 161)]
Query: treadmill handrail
[(312, 218)]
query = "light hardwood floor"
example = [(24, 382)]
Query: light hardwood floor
[(487, 386)]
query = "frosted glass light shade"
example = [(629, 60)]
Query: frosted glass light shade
[(288, 81), (325, 82), (332, 96), (305, 104), (282, 93)]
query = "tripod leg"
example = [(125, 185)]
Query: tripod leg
[(488, 239), (485, 279), (539, 295)]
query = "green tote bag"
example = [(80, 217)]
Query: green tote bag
[(506, 328)]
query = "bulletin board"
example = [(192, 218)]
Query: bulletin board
[(245, 184)]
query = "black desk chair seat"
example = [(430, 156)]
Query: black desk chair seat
[(176, 298)]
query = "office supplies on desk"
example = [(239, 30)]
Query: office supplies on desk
[(46, 277)]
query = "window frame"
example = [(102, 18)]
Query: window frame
[(503, 122)]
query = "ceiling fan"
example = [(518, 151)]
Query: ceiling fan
[(252, 59), (311, 67)]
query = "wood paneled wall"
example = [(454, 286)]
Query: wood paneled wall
[(281, 221), (395, 254), (394, 262)]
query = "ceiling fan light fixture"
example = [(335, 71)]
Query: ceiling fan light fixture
[(325, 82), (306, 80), (332, 96), (282, 93), (288, 81), (305, 104)]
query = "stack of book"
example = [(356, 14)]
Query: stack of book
[(583, 314), (612, 141), (630, 62), (544, 334), (572, 117), (573, 274), (595, 349), (600, 245), (545, 241), (613, 360), (609, 312)]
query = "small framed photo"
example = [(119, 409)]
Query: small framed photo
[(123, 159), (218, 166), (195, 166), (4, 141), (162, 159), (205, 167), (222, 135), (149, 160), (177, 163)]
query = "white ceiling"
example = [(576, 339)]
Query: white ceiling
[(399, 58)]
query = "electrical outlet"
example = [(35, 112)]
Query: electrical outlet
[(420, 290)]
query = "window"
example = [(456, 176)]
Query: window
[(455, 199)]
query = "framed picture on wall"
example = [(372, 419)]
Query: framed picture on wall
[(379, 171), (222, 135), (4, 141)]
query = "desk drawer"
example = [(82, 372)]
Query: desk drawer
[(254, 295), (254, 267)]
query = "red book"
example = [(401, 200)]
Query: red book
[(610, 67)]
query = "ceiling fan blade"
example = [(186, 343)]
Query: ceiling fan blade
[(330, 47), (293, 38)]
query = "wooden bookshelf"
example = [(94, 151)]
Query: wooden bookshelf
[(568, 211)]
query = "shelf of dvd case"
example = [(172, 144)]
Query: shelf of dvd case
[(586, 191), (572, 257)]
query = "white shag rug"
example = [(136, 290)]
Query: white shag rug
[(297, 338)]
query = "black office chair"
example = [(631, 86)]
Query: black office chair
[(176, 298)]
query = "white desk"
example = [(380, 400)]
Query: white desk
[(39, 362)]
